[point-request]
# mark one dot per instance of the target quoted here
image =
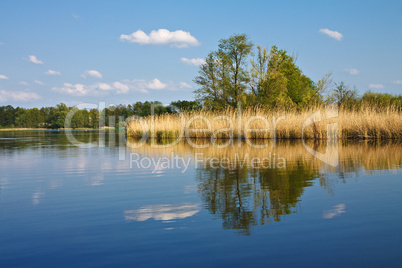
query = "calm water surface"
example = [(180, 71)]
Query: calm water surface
[(65, 206)]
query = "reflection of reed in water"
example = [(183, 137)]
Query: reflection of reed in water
[(244, 197), (352, 156)]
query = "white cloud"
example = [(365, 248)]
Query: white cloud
[(3, 77), (23, 83), (156, 84), (18, 96), (123, 87), (184, 85), (336, 211), (92, 73), (179, 38), (398, 82), (1, 43), (144, 86), (377, 86), (104, 86), (75, 90), (333, 34), (34, 59), (75, 16), (38, 82), (352, 71), (197, 61), (51, 72)]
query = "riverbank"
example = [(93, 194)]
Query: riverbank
[(57, 129), (22, 129), (257, 123)]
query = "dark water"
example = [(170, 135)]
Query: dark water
[(66, 206)]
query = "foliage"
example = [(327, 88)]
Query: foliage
[(273, 80), (279, 83), (211, 83), (185, 105), (223, 78), (343, 96), (381, 101)]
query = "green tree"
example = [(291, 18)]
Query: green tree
[(59, 116), (277, 82), (21, 118), (223, 79), (343, 95), (234, 52), (210, 92), (7, 116), (80, 119), (258, 71), (28, 118), (185, 105), (323, 85), (93, 118), (137, 108), (380, 101)]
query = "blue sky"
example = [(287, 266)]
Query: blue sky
[(84, 51)]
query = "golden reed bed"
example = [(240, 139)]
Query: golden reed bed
[(257, 123)]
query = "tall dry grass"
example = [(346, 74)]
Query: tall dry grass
[(257, 123)]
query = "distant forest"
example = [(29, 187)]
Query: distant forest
[(54, 117)]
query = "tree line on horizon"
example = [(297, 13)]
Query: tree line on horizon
[(54, 117)]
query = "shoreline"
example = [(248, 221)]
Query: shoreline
[(162, 137), (56, 129)]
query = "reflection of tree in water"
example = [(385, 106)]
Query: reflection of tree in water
[(244, 197)]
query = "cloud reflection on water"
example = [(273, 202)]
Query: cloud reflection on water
[(336, 211), (162, 212)]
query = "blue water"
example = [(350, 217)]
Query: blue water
[(65, 206)]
